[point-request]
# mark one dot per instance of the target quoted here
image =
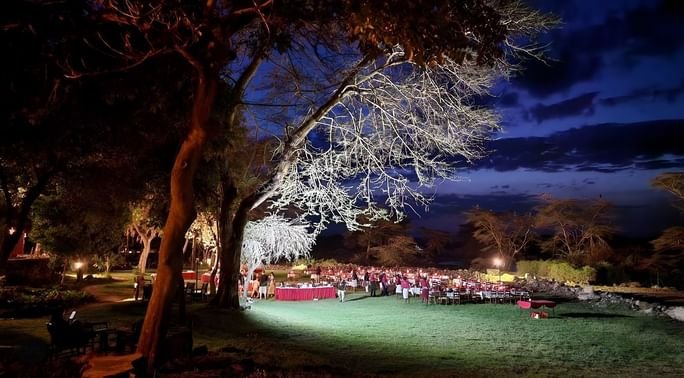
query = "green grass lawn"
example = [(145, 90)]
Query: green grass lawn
[(388, 337)]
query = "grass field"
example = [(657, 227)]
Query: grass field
[(386, 336)]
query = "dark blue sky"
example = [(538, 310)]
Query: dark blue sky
[(602, 117)]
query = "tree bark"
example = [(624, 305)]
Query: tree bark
[(181, 215), (227, 296), (147, 245)]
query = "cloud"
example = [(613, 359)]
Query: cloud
[(654, 31), (542, 79), (580, 105), (600, 148), (592, 30), (669, 94), (456, 203)]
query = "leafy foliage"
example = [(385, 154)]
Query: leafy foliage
[(506, 234), (83, 221), (24, 301), (398, 251), (580, 229), (557, 270), (273, 239), (672, 182), (668, 256)]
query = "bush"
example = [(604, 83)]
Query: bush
[(26, 302), (557, 270)]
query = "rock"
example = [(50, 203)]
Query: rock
[(645, 306), (587, 294)]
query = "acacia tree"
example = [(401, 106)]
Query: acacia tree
[(145, 224), (669, 246), (433, 37), (400, 250), (389, 117), (507, 234), (273, 239), (580, 229), (672, 182), (371, 238)]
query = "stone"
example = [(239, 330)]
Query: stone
[(676, 313), (587, 294)]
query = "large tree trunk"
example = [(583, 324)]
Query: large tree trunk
[(227, 296), (181, 215), (142, 262)]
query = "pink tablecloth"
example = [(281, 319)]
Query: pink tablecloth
[(304, 294)]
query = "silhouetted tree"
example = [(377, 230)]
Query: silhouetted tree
[(580, 229), (506, 234)]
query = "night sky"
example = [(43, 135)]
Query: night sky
[(602, 118)]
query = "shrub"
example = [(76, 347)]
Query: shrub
[(557, 270), (23, 302)]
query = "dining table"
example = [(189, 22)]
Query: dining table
[(304, 293)]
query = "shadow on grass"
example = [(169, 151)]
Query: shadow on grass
[(24, 347), (356, 298), (591, 315)]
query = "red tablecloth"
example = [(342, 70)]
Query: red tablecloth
[(207, 276), (536, 303), (304, 294), (188, 275)]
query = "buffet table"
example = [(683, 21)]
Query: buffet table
[(304, 293)]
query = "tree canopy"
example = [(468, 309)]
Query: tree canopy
[(399, 106)]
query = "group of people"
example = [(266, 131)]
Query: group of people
[(261, 286), (372, 282)]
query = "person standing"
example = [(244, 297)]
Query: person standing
[(271, 285), (424, 289), (366, 280), (373, 284), (263, 286), (384, 282), (405, 286), (318, 274), (341, 287), (354, 280)]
